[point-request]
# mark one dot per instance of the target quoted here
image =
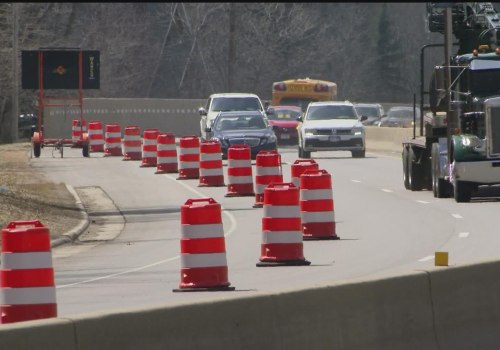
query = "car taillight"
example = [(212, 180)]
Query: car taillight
[(321, 88), (279, 87)]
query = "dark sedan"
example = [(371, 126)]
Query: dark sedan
[(249, 128)]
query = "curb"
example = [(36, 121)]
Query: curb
[(73, 234)]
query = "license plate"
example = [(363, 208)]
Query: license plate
[(334, 138), (285, 136)]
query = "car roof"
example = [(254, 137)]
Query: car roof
[(377, 105), (241, 113), (233, 94), (295, 108), (331, 103)]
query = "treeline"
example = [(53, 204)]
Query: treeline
[(189, 50)]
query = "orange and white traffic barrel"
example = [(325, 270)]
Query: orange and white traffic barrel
[(112, 140), (316, 205), (267, 170), (166, 151), (281, 230), (78, 127), (211, 173), (239, 171), (27, 290), (149, 147), (203, 248), (132, 143), (299, 166), (96, 137), (189, 158)]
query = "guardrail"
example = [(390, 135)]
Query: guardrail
[(442, 308)]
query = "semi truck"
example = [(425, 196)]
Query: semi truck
[(461, 152)]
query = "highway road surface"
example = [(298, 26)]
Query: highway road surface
[(130, 256)]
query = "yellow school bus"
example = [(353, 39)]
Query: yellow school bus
[(299, 92)]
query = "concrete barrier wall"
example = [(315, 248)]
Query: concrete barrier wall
[(179, 116), (444, 308)]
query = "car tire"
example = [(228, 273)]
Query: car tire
[(85, 150), (358, 154)]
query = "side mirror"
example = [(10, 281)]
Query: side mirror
[(202, 111), (208, 129), (363, 118), (299, 119), (270, 111)]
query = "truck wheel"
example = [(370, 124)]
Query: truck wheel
[(461, 191), (440, 187), (405, 168), (415, 174)]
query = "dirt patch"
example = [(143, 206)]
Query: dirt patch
[(26, 194)]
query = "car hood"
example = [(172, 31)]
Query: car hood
[(284, 123), (233, 134), (332, 123)]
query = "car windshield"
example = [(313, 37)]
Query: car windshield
[(226, 104), (326, 112), (403, 113), (368, 111), (284, 114), (240, 123)]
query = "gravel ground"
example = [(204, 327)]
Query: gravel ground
[(29, 195)]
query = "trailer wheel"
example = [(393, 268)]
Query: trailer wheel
[(85, 149), (461, 191), (415, 173), (37, 149), (406, 180), (440, 187)]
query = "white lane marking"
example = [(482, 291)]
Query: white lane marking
[(423, 202), (463, 234), (427, 258), (355, 181), (231, 217), (386, 190), (457, 216)]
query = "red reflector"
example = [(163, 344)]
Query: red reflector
[(321, 88), (279, 87)]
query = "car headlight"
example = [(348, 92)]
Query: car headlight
[(268, 139), (357, 131), (309, 132)]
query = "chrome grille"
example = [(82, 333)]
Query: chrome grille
[(252, 142), (495, 131)]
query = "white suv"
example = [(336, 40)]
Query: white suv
[(331, 126), (225, 103)]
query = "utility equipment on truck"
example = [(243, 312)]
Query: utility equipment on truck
[(454, 158)]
